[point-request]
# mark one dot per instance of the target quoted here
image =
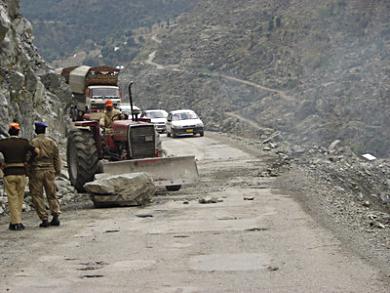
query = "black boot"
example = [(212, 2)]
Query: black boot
[(55, 221), (21, 226), (15, 227), (44, 224)]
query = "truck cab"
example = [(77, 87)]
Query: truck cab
[(91, 87), (96, 96)]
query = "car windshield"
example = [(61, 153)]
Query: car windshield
[(155, 114), (105, 92), (99, 106), (184, 116), (126, 108)]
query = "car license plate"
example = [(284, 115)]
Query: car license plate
[(189, 130)]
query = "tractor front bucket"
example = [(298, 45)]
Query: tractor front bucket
[(169, 172)]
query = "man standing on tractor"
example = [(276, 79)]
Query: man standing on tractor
[(110, 115), (44, 169), (16, 152)]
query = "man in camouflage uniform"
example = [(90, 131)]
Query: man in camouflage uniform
[(44, 169), (16, 152), (111, 112)]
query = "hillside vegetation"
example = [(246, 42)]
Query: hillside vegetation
[(318, 70), (63, 27)]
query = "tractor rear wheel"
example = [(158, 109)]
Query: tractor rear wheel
[(82, 157)]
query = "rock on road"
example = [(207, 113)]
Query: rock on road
[(177, 245)]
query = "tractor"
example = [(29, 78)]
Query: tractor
[(130, 145)]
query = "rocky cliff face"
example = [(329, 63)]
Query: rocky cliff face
[(29, 90)]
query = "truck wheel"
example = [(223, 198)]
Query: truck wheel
[(82, 158), (173, 187), (201, 133)]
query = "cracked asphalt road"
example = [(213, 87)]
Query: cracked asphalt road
[(268, 244)]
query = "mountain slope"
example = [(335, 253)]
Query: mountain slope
[(317, 70)]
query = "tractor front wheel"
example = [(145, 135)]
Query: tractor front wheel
[(82, 157)]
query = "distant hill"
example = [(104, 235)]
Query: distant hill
[(64, 27)]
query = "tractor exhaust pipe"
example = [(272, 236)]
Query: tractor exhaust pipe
[(133, 116)]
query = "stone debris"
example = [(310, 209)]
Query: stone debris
[(248, 197), (126, 189), (366, 204), (112, 231), (385, 198), (333, 146), (273, 268), (274, 136), (256, 229), (377, 224), (209, 200), (369, 157), (26, 208), (266, 148), (144, 215), (372, 217), (278, 166)]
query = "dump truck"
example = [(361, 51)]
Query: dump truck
[(129, 146), (90, 87)]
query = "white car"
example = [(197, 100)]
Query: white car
[(158, 118), (184, 122), (125, 108)]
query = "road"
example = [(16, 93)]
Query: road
[(268, 244)]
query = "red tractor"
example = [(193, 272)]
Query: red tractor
[(129, 146)]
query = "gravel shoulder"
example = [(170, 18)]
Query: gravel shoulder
[(347, 195), (358, 226)]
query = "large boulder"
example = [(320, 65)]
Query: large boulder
[(127, 189)]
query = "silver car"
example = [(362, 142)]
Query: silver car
[(184, 122), (158, 118)]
